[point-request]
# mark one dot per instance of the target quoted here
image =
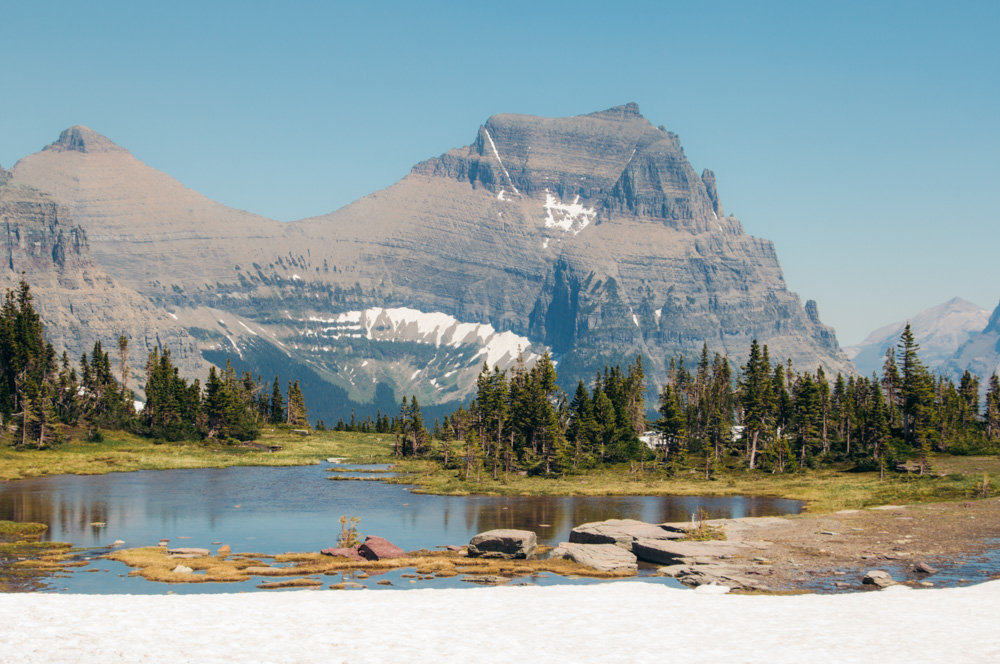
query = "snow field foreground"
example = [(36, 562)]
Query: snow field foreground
[(614, 622)]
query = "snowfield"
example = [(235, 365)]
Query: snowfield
[(613, 622)]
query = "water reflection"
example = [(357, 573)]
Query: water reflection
[(296, 509)]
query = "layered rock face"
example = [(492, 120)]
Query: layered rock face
[(591, 236), (78, 303)]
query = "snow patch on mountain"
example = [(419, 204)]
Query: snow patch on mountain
[(572, 217), (434, 328)]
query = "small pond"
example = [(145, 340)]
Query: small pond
[(276, 510)]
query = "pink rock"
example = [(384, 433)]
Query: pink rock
[(377, 548), (351, 552)]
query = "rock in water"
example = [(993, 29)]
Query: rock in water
[(924, 568), (878, 578), (504, 544), (603, 557), (344, 552), (377, 548)]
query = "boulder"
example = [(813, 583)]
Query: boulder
[(924, 568), (377, 548), (224, 550), (187, 552), (182, 569), (603, 557), (669, 552), (717, 575), (504, 543), (344, 552), (620, 532), (879, 578)]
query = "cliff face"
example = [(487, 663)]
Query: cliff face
[(79, 304), (589, 235)]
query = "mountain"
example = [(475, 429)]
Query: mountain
[(590, 236), (980, 354), (940, 331), (78, 302), (150, 232)]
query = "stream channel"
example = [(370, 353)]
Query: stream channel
[(274, 510)]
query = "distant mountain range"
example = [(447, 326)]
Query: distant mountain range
[(589, 236), (940, 331)]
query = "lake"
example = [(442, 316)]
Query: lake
[(276, 510)]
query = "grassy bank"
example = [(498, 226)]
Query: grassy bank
[(825, 490), (123, 452)]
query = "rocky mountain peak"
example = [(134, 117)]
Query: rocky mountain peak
[(83, 139)]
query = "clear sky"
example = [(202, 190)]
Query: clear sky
[(861, 137)]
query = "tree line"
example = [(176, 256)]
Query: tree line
[(765, 416), (41, 395)]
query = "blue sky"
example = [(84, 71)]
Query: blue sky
[(860, 137)]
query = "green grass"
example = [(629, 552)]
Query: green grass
[(14, 530), (122, 452)]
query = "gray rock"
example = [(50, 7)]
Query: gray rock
[(187, 552), (924, 568), (604, 557), (620, 532), (504, 543), (182, 569), (877, 577), (668, 552)]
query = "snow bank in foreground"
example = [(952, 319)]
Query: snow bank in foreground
[(624, 622)]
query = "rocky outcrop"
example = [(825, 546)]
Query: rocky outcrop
[(504, 543), (668, 552), (878, 578), (603, 557)]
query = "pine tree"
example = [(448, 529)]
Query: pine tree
[(296, 412)]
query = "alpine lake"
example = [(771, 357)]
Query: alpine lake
[(275, 510)]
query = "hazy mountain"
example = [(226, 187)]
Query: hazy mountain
[(980, 354), (940, 331), (591, 236)]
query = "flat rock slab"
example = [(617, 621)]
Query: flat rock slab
[(668, 552), (504, 543), (603, 557), (620, 532), (187, 552)]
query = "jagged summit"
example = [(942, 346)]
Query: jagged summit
[(83, 139), (630, 109)]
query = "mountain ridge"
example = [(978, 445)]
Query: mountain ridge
[(589, 235)]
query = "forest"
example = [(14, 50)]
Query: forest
[(42, 396)]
